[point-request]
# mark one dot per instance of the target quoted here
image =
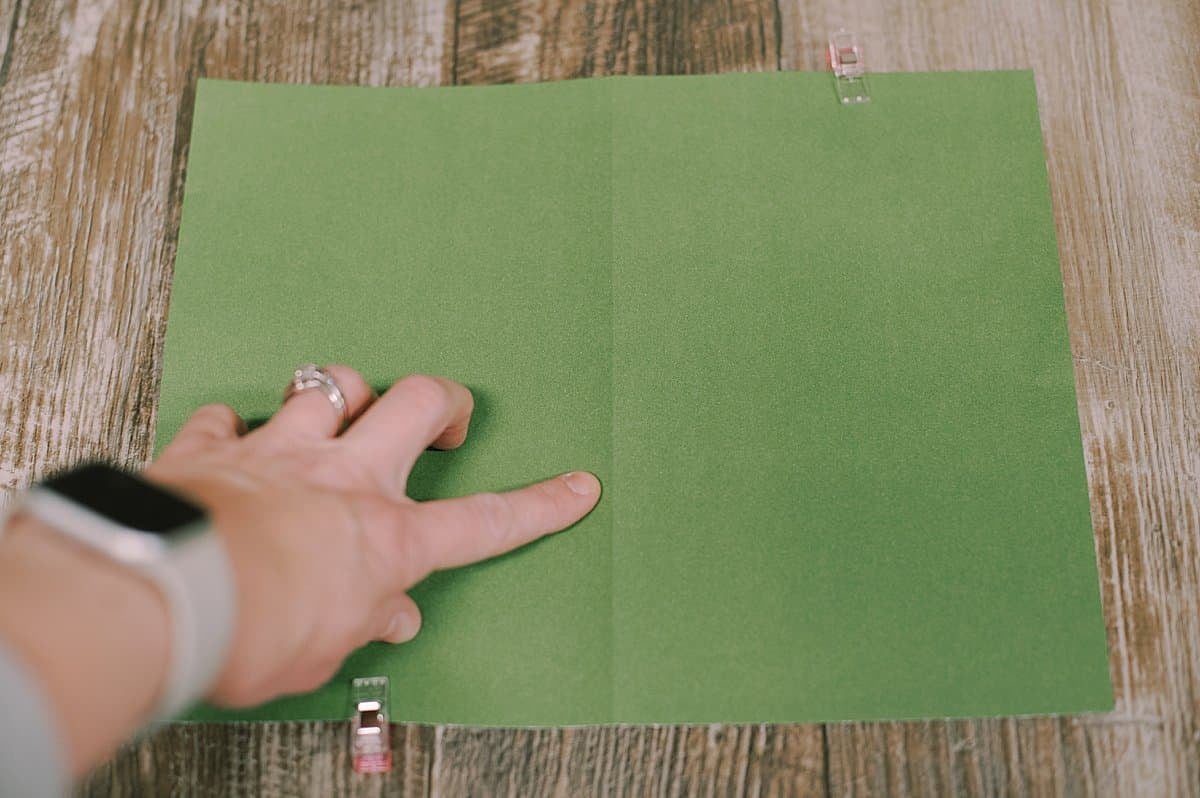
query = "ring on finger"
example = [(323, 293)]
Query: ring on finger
[(310, 376)]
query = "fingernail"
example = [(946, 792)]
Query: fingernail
[(402, 628), (390, 630), (582, 482)]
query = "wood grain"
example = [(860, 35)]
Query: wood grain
[(94, 117), (8, 32), (95, 103), (629, 761), (517, 41), (1127, 231)]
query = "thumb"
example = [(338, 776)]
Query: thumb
[(397, 621)]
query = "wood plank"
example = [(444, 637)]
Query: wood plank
[(261, 759), (94, 122), (519, 41), (1127, 225), (85, 185), (630, 761), (10, 18), (328, 41)]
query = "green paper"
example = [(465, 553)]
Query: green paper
[(817, 355)]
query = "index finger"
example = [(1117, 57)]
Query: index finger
[(461, 531)]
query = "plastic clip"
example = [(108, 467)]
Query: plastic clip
[(370, 743), (849, 71)]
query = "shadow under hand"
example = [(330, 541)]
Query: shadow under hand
[(436, 470), (255, 422)]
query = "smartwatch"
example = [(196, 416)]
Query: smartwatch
[(167, 539)]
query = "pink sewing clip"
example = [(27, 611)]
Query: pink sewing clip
[(370, 743), (849, 71)]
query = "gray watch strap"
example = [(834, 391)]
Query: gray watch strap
[(194, 575), (33, 763), (197, 580)]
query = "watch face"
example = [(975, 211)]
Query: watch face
[(125, 499)]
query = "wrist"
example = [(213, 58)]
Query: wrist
[(96, 633)]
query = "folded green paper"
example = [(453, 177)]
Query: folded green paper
[(816, 354)]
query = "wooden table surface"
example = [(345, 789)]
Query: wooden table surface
[(95, 113)]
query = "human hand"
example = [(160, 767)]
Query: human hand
[(323, 539)]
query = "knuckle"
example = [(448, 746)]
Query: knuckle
[(402, 552), (427, 394), (332, 470), (349, 379), (377, 512), (341, 371), (494, 514), (556, 497), (468, 398), (216, 412), (412, 559)]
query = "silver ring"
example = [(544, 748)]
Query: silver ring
[(310, 376)]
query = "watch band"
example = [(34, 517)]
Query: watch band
[(197, 581), (194, 576), (33, 756)]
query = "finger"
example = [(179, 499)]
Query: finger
[(311, 414), (210, 423), (398, 620), (417, 412), (454, 532)]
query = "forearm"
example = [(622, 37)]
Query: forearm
[(96, 635)]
